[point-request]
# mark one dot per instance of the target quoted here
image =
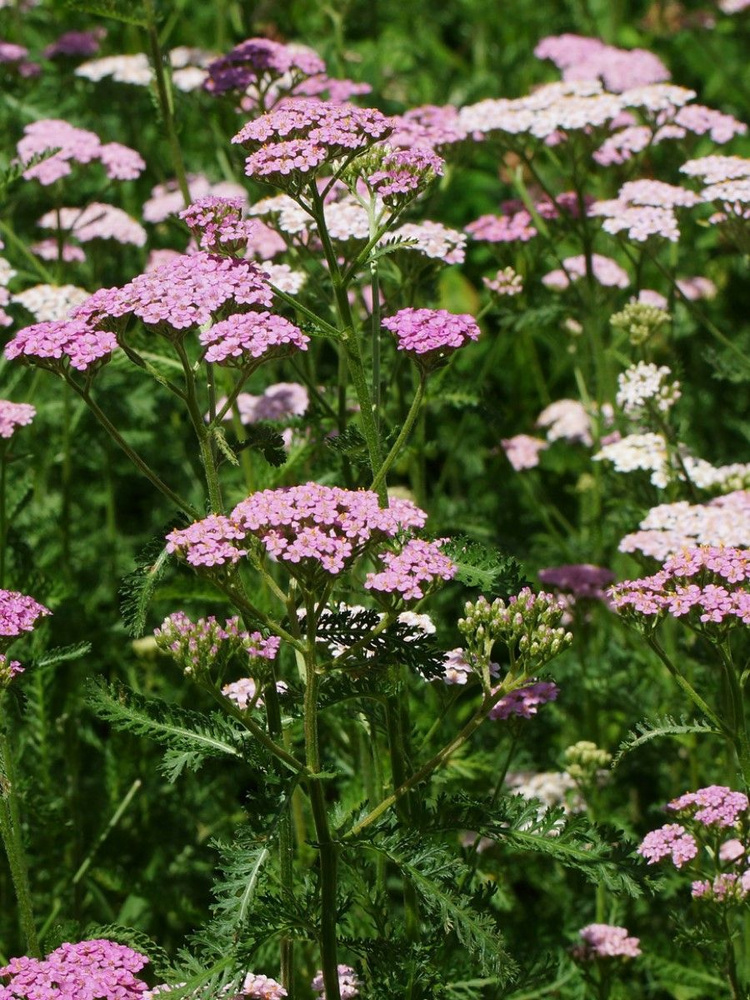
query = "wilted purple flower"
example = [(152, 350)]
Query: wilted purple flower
[(580, 579)]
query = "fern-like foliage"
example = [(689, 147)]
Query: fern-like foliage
[(137, 588), (399, 643), (648, 730), (267, 441), (490, 570), (572, 841), (127, 11), (435, 872), (189, 738)]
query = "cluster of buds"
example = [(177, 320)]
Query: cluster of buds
[(205, 645), (585, 763), (528, 624), (640, 321)]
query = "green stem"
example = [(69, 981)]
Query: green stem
[(400, 772), (3, 509), (202, 432), (326, 847), (688, 688), (440, 758), (133, 455), (10, 831), (411, 416), (166, 105)]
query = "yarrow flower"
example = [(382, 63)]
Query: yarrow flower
[(308, 527), (205, 643), (582, 580), (95, 221), (669, 841), (348, 983), (428, 334), (606, 941), (410, 572), (642, 386), (74, 145), (217, 224), (98, 969), (186, 292), (603, 269), (53, 344), (262, 988), (48, 303), (524, 701), (505, 282), (715, 805), (582, 58), (259, 60), (669, 528), (402, 174), (523, 450), (278, 402), (13, 416), (708, 583), (432, 239), (166, 199), (252, 335)]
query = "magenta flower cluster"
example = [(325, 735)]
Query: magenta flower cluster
[(260, 987), (195, 645), (251, 335), (312, 525), (13, 416), (98, 969), (670, 841), (694, 581), (260, 59), (18, 614), (431, 332), (412, 571), (715, 805), (217, 224), (303, 134), (74, 145), (525, 700)]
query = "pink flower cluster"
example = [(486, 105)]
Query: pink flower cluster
[(217, 224), (348, 983), (525, 701), (428, 125), (278, 402), (197, 644), (309, 526), (403, 173), (431, 332), (522, 450), (669, 841), (74, 145), (13, 416), (579, 579), (606, 941), (96, 221), (301, 135), (693, 582), (51, 343), (603, 269), (715, 805), (412, 571), (582, 58), (185, 292), (244, 337), (166, 199), (645, 208), (99, 969), (18, 614), (262, 988)]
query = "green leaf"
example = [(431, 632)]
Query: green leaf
[(189, 737), (482, 566), (127, 11), (648, 730), (62, 654), (137, 588), (264, 438)]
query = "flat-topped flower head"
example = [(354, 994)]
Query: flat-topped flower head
[(603, 269), (205, 644), (708, 584), (56, 344), (524, 701), (669, 841), (47, 303), (257, 987), (715, 805), (668, 528), (259, 60), (606, 941), (13, 416), (309, 528), (431, 239), (95, 221), (244, 338), (430, 335), (99, 969), (402, 174), (217, 224), (348, 983), (185, 292), (412, 571), (74, 145), (582, 58)]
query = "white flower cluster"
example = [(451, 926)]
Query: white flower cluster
[(48, 303), (671, 527), (649, 452), (432, 239), (643, 385)]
